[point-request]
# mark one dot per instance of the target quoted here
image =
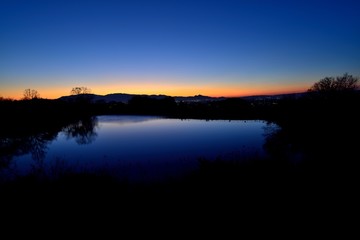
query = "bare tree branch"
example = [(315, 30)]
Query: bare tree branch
[(30, 94)]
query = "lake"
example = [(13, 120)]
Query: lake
[(135, 148)]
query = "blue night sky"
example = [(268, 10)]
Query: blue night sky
[(216, 48)]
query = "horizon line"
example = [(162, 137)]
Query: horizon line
[(160, 94)]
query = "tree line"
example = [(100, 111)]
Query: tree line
[(29, 93), (325, 96)]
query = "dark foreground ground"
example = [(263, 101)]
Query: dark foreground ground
[(240, 198), (253, 188), (321, 190)]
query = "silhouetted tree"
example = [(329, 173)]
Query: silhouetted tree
[(80, 90), (83, 97), (341, 83), (30, 94)]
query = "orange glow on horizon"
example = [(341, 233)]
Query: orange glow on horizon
[(173, 88), (170, 90), (209, 89)]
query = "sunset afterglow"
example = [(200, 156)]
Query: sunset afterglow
[(176, 48)]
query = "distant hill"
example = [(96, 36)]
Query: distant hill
[(113, 97), (273, 97), (197, 98), (124, 97)]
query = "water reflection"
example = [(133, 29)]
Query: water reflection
[(127, 119), (139, 147), (16, 146), (83, 131), (36, 145)]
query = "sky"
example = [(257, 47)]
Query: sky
[(175, 47)]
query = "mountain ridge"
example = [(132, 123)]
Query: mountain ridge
[(125, 97)]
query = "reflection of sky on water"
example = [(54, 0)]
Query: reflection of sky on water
[(125, 119), (153, 146)]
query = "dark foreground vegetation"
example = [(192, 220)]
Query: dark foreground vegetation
[(321, 125)]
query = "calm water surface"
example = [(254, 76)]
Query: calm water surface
[(141, 147)]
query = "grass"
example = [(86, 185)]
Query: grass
[(237, 194), (256, 176)]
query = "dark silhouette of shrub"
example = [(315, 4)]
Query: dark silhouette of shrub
[(339, 84), (80, 90), (30, 94)]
